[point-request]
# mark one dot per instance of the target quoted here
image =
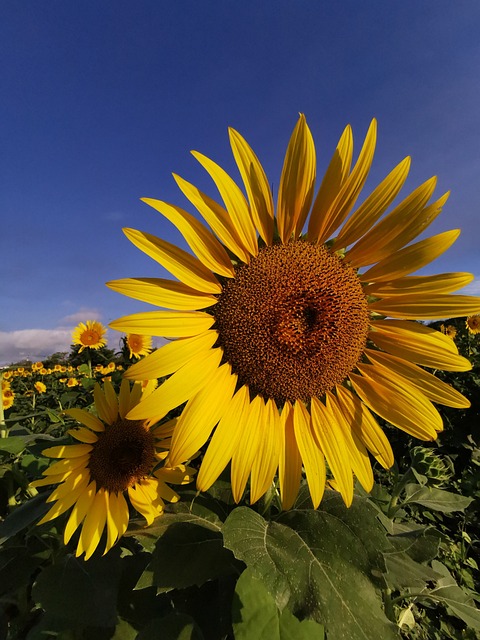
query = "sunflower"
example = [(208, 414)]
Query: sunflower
[(138, 345), (473, 323), (116, 457), (8, 397), (448, 330), (89, 335), (40, 387), (293, 327)]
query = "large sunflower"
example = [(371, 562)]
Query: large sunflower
[(289, 336), (117, 457)]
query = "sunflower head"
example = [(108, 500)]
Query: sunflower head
[(473, 323), (8, 397), (115, 459), (89, 335), (40, 387), (294, 323)]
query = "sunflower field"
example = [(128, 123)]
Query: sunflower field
[(401, 562)]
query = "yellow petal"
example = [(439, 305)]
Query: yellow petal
[(201, 414), (66, 466), (427, 306), (400, 226), (216, 217), (266, 460), (178, 262), (256, 185), (121, 513), (112, 530), (374, 206), (357, 452), (290, 463), (105, 411), (234, 200), (124, 398), (66, 499), (441, 283), (417, 343), (332, 182), (88, 419), (179, 388), (297, 182), (83, 435), (411, 258), (167, 324), (351, 188), (312, 458), (331, 441), (433, 388), (79, 511), (224, 440), (365, 426), (244, 454), (405, 407), (111, 399), (203, 243), (163, 293), (68, 451), (94, 524), (171, 357)]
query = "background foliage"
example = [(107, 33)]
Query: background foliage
[(400, 563)]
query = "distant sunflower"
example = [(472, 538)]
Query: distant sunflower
[(40, 387), (295, 349), (473, 323), (89, 335), (8, 397), (138, 345), (117, 458), (449, 331)]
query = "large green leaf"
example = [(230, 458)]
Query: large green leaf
[(458, 602), (318, 566), (82, 593), (436, 499), (256, 616), (24, 515), (188, 551)]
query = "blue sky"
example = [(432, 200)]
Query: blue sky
[(102, 101)]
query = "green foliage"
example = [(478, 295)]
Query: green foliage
[(400, 563)]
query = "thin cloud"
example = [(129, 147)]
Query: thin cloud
[(82, 315), (32, 344)]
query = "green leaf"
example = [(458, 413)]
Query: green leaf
[(24, 515), (256, 617), (458, 602), (436, 499), (403, 571), (174, 626), (83, 593), (317, 566), (189, 551), (13, 444)]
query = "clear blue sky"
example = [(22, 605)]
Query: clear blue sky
[(101, 101)]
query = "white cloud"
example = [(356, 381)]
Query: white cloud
[(82, 315), (32, 344)]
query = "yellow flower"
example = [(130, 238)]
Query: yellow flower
[(288, 342), (57, 367), (449, 331), (5, 385), (72, 382), (7, 375), (36, 366), (138, 345), (89, 335), (40, 387), (43, 371), (7, 398), (473, 323), (116, 458)]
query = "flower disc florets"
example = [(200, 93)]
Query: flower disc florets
[(293, 322), (122, 456)]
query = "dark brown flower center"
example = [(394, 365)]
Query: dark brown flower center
[(293, 322), (123, 455)]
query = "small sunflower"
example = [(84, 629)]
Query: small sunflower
[(138, 345), (72, 382), (89, 335), (8, 397), (448, 330), (294, 325), (473, 323), (40, 387), (116, 458)]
